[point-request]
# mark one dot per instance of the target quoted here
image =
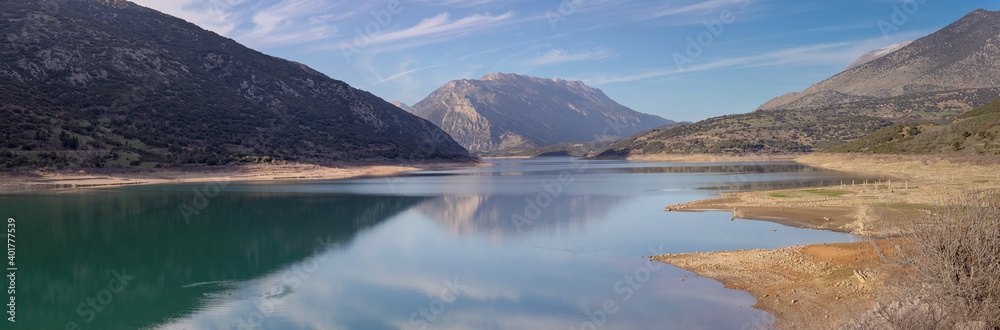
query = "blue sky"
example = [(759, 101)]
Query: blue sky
[(639, 52)]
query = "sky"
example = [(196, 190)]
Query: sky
[(684, 60)]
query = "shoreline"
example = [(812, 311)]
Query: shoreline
[(712, 158), (815, 286), (43, 181), (812, 286)]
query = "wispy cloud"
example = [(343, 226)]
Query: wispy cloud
[(434, 30), (697, 9), (442, 26), (292, 22), (458, 3), (400, 75), (556, 56), (211, 15), (841, 53), (842, 27)]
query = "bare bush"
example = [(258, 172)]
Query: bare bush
[(949, 271)]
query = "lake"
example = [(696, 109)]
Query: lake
[(548, 243)]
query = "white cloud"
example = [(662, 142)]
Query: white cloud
[(437, 29), (292, 22), (208, 14), (556, 56), (405, 73), (442, 26), (837, 54), (697, 9), (457, 3)]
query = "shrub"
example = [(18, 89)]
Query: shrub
[(949, 271)]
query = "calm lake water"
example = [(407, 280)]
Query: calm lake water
[(550, 243)]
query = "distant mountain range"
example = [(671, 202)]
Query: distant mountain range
[(963, 55), (509, 111), (933, 79), (109, 83)]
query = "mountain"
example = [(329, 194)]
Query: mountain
[(401, 105), (800, 130), (974, 132), (108, 82), (963, 55), (509, 111), (877, 54), (934, 79)]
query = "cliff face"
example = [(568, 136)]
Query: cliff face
[(507, 111), (119, 78), (963, 55)]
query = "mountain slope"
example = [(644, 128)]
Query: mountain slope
[(508, 111), (974, 132), (877, 54), (801, 130), (94, 83), (963, 55), (958, 64)]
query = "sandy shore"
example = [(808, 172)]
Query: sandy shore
[(804, 287), (40, 180), (915, 185), (815, 286)]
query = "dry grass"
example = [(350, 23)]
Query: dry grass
[(949, 271)]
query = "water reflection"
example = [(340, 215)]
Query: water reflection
[(498, 216), (71, 243), (371, 253)]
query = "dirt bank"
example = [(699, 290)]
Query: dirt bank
[(815, 286), (44, 180), (707, 158), (804, 287)]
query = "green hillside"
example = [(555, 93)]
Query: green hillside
[(971, 133), (801, 130)]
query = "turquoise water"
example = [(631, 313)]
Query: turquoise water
[(550, 243)]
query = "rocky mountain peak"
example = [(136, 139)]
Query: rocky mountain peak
[(877, 54), (499, 76), (962, 55), (509, 111)]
